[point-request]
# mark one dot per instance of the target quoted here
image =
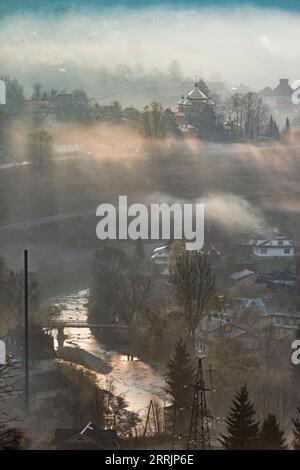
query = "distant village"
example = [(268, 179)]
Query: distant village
[(254, 278), (210, 111), (250, 274)]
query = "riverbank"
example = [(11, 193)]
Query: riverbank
[(137, 380), (83, 358)]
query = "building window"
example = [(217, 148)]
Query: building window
[(263, 251), (287, 251), (280, 242)]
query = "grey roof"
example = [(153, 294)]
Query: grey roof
[(187, 102), (256, 303), (161, 248), (196, 94), (102, 438), (237, 276)]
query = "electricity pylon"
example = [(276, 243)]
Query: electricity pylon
[(199, 437)]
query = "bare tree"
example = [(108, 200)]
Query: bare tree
[(119, 291), (234, 108), (41, 146), (193, 287), (153, 121), (109, 268), (11, 437), (134, 292), (116, 413), (247, 111)]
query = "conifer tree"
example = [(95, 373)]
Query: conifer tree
[(296, 431), (271, 437), (273, 131), (242, 429), (180, 376), (287, 126)]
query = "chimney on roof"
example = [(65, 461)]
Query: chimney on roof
[(283, 81)]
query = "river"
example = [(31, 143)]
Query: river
[(135, 379)]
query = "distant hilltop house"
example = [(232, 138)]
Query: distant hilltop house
[(279, 99), (279, 246), (280, 95)]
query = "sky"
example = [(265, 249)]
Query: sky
[(243, 42), (63, 5)]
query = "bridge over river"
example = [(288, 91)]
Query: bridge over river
[(61, 325), (84, 324)]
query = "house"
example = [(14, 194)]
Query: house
[(245, 303), (279, 99), (244, 277), (246, 338), (160, 259), (280, 95), (278, 246), (91, 437), (283, 324), (284, 279)]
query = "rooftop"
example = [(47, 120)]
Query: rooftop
[(196, 94)]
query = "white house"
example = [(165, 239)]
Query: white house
[(161, 257), (273, 247)]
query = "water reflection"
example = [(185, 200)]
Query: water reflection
[(131, 377)]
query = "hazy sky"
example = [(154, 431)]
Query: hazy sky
[(245, 44)]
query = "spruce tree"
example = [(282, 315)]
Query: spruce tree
[(287, 126), (180, 379), (273, 131), (270, 127), (296, 431), (242, 429), (271, 437), (276, 133), (180, 376)]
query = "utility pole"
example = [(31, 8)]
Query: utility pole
[(212, 391), (150, 408), (174, 423), (26, 331), (199, 437)]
